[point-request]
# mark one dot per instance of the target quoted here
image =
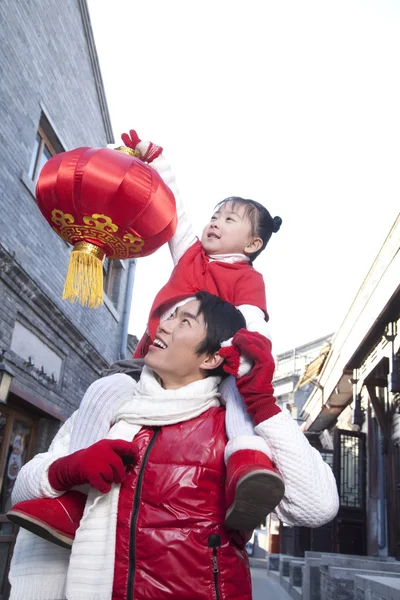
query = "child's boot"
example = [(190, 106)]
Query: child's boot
[(253, 488), (54, 519)]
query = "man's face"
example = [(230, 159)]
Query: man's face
[(228, 232), (173, 353)]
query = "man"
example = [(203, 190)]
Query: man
[(156, 529)]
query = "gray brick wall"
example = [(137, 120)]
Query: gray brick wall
[(45, 65), (45, 62)]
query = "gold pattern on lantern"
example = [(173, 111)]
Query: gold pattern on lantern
[(101, 222), (133, 241), (129, 151), (97, 228)]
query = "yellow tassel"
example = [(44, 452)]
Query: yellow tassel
[(84, 281)]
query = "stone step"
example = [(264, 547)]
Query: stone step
[(335, 560), (285, 583), (260, 563), (286, 561), (316, 575), (312, 554), (339, 582), (273, 562), (296, 593), (370, 587), (296, 573)]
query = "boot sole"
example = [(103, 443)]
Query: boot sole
[(40, 529), (257, 494)]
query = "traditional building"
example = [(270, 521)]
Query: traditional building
[(52, 99), (352, 417), (354, 414), (291, 389)]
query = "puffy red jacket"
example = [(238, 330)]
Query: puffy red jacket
[(171, 541)]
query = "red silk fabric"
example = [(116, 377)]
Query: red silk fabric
[(104, 182)]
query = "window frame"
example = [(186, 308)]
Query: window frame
[(112, 273), (44, 142)]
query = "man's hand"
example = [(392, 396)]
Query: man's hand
[(148, 150), (256, 387), (100, 465)]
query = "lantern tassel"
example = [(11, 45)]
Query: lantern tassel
[(84, 281)]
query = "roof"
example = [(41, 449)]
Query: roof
[(314, 368)]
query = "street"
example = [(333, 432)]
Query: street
[(264, 588)]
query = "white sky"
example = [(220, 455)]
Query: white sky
[(293, 103)]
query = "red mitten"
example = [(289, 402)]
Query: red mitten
[(235, 363), (100, 465), (256, 388), (148, 154), (131, 140)]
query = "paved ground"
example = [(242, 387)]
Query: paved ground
[(265, 588)]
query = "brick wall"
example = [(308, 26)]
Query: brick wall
[(45, 58)]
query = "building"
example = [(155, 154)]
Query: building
[(52, 99), (359, 412), (352, 417), (290, 366)]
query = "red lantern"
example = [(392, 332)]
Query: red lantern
[(104, 203)]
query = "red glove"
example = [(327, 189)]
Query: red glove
[(235, 363), (132, 140), (256, 388), (100, 465)]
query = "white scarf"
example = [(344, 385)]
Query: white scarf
[(229, 258), (91, 568)]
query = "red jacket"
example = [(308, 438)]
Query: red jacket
[(237, 283), (171, 541)]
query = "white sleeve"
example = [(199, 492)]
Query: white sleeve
[(255, 319), (97, 409), (89, 424), (311, 498), (184, 236), (32, 481)]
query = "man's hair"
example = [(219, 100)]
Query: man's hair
[(263, 225), (222, 321)]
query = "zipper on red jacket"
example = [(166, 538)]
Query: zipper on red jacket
[(135, 512), (214, 542)]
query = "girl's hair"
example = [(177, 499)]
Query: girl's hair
[(262, 224)]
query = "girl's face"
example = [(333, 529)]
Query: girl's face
[(229, 232)]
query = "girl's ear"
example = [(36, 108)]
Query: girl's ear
[(212, 362), (253, 246)]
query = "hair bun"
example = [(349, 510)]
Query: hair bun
[(277, 224)]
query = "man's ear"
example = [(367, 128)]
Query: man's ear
[(253, 246), (212, 362)]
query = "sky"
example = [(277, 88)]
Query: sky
[(294, 103)]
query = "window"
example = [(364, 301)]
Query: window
[(46, 145), (112, 271)]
